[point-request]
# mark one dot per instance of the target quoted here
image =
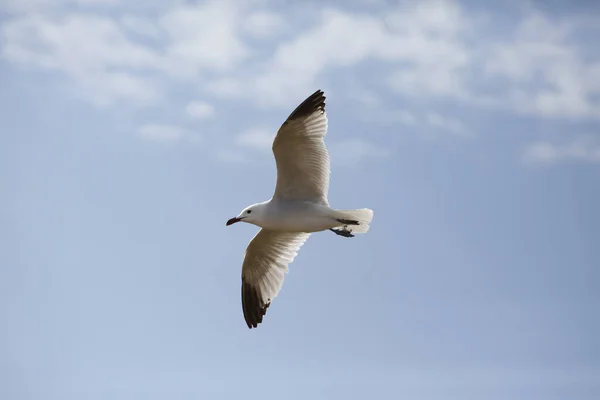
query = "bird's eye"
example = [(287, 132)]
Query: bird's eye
[(249, 211)]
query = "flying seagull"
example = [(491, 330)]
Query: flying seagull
[(298, 207)]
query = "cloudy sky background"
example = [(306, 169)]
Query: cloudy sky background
[(130, 133)]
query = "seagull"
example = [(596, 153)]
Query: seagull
[(298, 207)]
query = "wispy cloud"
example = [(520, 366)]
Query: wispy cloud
[(424, 122), (546, 70), (584, 148), (92, 51), (437, 49), (203, 37), (32, 6), (421, 56), (140, 26), (406, 35), (199, 109), (264, 24), (434, 49), (257, 138)]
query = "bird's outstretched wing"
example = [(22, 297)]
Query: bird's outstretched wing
[(300, 153), (265, 264)]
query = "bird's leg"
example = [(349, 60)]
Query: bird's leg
[(345, 232)]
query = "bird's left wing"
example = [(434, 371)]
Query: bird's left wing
[(265, 264)]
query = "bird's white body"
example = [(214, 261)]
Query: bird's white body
[(298, 208), (293, 216)]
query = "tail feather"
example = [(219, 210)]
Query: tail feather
[(363, 216)]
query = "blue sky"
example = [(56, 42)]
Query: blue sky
[(130, 134)]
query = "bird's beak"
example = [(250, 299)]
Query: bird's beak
[(233, 221)]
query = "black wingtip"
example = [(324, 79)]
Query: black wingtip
[(252, 305), (314, 102)]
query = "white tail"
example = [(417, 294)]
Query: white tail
[(364, 216)]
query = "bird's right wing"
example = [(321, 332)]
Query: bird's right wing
[(265, 264), (300, 153)]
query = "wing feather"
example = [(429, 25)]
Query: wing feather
[(303, 170), (265, 265)]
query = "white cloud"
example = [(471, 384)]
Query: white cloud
[(365, 97), (75, 44), (91, 50), (257, 138), (204, 36), (38, 5), (103, 88), (262, 24), (547, 74), (430, 40), (425, 121), (161, 132), (423, 53), (94, 2), (391, 117), (200, 110), (140, 26), (226, 88), (354, 151), (585, 148), (436, 50), (296, 64), (416, 37)]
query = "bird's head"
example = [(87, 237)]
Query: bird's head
[(251, 214)]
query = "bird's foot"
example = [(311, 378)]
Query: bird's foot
[(345, 232)]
